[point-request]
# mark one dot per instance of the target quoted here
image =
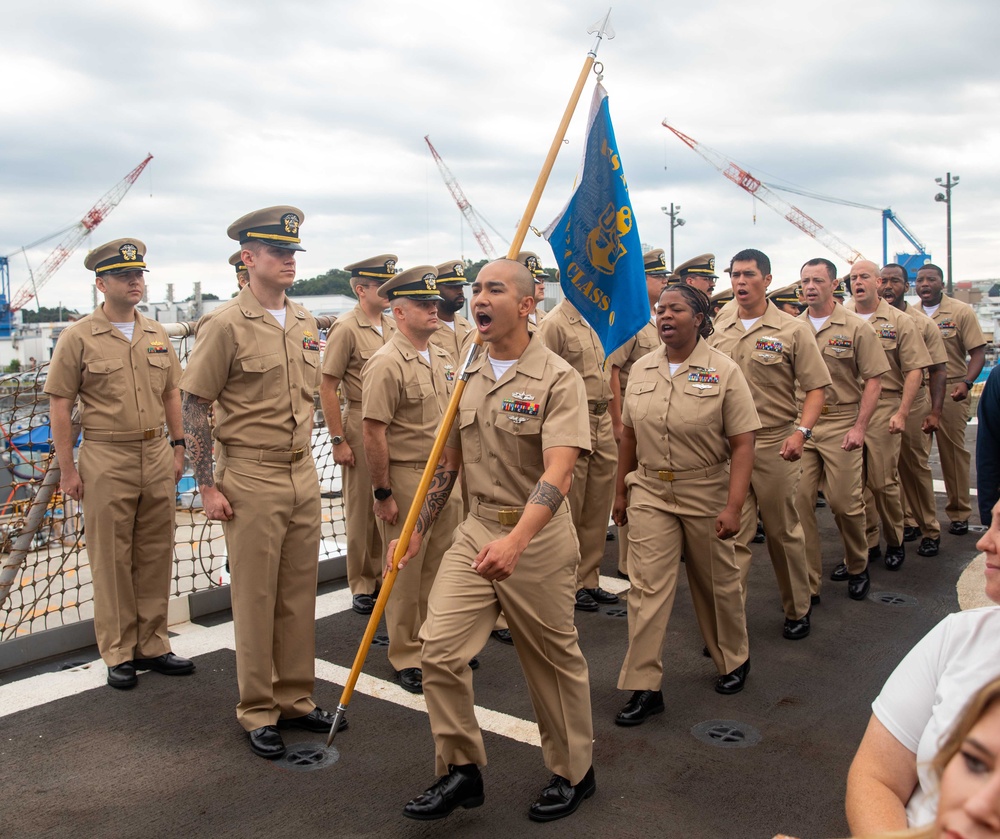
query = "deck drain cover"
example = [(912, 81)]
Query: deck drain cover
[(726, 734), (308, 757), (891, 598), (617, 613), (380, 641)]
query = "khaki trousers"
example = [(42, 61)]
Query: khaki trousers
[(273, 546), (591, 498), (129, 505), (667, 518), (773, 488), (955, 458), (823, 458), (915, 477), (406, 608), (365, 552), (882, 476), (538, 600)]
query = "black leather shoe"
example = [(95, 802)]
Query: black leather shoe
[(122, 676), (363, 604), (796, 630), (473, 664), (644, 703), (820, 501), (759, 538), (266, 742), (733, 682), (815, 600), (560, 798), (858, 585), (168, 664), (894, 556), (503, 636), (839, 574), (586, 603), (622, 575), (411, 679), (911, 534), (602, 596), (929, 546), (959, 528), (461, 787), (874, 553), (316, 720)]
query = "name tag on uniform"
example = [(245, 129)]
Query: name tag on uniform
[(887, 331), (309, 341), (769, 344), (519, 406), (840, 343), (156, 347)]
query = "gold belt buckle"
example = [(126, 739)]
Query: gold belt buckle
[(600, 408), (149, 433), (508, 518), (826, 409), (298, 454), (665, 475)]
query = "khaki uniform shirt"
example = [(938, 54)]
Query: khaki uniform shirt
[(408, 395), (774, 354), (930, 333), (642, 343), (455, 341), (568, 335), (900, 338), (120, 383), (504, 426), (260, 375), (351, 342), (683, 421), (852, 353), (961, 332)]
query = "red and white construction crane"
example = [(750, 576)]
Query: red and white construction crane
[(471, 216), (76, 234), (743, 179)]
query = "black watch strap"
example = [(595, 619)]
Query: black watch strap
[(382, 493), (181, 443)]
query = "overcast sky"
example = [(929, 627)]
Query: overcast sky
[(324, 105)]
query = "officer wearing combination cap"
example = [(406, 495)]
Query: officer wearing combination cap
[(541, 276), (124, 371), (257, 356), (698, 272), (454, 332), (242, 277), (352, 340), (406, 386), (787, 299)]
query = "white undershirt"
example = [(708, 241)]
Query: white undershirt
[(450, 324), (865, 316), (501, 367), (378, 329), (749, 323), (425, 355), (930, 311), (278, 315), (818, 322), (125, 328), (674, 367)]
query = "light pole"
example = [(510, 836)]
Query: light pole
[(945, 198), (675, 221)]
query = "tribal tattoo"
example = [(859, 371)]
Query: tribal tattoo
[(199, 438), (546, 495), (437, 495)]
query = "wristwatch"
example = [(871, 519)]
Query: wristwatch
[(967, 383), (181, 443), (381, 493), (337, 439), (806, 433)]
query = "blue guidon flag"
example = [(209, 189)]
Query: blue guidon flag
[(596, 242)]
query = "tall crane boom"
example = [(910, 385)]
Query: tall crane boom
[(743, 179), (71, 241), (464, 206)]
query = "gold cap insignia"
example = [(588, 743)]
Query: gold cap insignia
[(291, 223), (129, 252)]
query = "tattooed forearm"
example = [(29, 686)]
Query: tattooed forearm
[(546, 495), (198, 437), (437, 495)]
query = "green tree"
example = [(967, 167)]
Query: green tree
[(333, 281), (204, 296), (46, 314)]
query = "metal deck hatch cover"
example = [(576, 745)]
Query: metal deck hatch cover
[(726, 734), (308, 757), (892, 598)]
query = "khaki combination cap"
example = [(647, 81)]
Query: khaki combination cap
[(723, 297), (700, 266), (451, 273), (116, 257), (419, 283), (531, 261), (236, 260), (274, 226), (381, 267), (655, 261), (786, 294)]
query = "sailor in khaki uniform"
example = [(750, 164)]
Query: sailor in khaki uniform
[(242, 277), (257, 357), (775, 351), (915, 478), (787, 300), (124, 371), (568, 335), (698, 272), (533, 264), (406, 386), (688, 410), (522, 423), (966, 347), (621, 360), (907, 357), (352, 340), (835, 454), (454, 333)]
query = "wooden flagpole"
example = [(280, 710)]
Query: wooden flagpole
[(601, 30)]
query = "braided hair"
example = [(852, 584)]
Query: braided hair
[(699, 303)]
